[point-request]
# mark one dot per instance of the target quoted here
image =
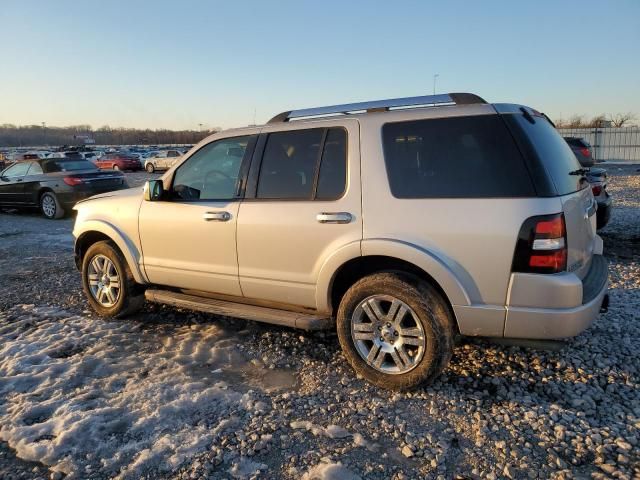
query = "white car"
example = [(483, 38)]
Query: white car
[(163, 160)]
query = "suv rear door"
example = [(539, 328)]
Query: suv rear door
[(302, 205)]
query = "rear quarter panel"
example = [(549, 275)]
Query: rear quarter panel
[(474, 238)]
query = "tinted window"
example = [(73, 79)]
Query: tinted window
[(17, 170), (173, 153), (35, 169), (332, 179), (212, 172), (455, 158), (64, 165), (289, 164), (552, 151)]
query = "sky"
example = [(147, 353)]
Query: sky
[(178, 64)]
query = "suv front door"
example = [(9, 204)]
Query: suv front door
[(189, 237), (302, 205)]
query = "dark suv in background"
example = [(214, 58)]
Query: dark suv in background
[(597, 177)]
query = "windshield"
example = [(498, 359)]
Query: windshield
[(61, 165)]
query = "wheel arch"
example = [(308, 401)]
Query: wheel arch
[(97, 230), (388, 255)]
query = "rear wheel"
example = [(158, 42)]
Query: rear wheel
[(108, 283), (395, 330), (50, 206), (149, 168), (116, 167)]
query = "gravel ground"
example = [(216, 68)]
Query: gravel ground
[(173, 394)]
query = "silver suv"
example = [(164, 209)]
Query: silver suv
[(401, 223)]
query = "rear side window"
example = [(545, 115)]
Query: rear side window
[(458, 157), (304, 164), (332, 179), (551, 150)]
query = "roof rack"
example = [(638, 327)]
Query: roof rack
[(380, 105)]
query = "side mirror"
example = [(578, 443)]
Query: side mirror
[(153, 190)]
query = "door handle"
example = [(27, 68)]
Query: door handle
[(334, 217), (216, 216)]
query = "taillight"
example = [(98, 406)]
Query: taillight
[(596, 189), (72, 181), (585, 152), (541, 245)]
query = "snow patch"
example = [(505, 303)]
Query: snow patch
[(330, 471), (80, 393)]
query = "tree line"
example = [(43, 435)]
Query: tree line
[(39, 135), (599, 121)]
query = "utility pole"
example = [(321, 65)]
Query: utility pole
[(44, 133), (434, 82), (200, 127)]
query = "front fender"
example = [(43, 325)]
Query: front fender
[(126, 245)]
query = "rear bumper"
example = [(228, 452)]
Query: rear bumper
[(525, 320)]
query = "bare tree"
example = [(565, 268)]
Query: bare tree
[(622, 119), (599, 121)]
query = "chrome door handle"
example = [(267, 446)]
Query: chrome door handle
[(334, 217), (216, 216)]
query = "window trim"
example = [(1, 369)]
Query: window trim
[(251, 192), (242, 172), (517, 145)]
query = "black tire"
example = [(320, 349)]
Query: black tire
[(150, 168), (50, 206), (130, 298), (431, 311)]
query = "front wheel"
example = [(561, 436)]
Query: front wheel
[(395, 330), (108, 283), (50, 206), (149, 168)]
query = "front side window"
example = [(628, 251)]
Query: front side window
[(173, 153), (212, 172), (456, 157), (294, 168), (35, 169), (17, 170)]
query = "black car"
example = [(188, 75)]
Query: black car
[(582, 150), (597, 179), (54, 184)]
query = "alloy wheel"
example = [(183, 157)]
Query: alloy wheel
[(49, 206), (104, 281), (388, 334)]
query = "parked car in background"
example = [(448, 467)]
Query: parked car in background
[(582, 150), (162, 160), (118, 161), (597, 178), (402, 227), (54, 184)]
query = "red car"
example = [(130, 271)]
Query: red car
[(118, 161)]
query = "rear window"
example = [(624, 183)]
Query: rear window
[(577, 142), (458, 157), (61, 165), (551, 150)]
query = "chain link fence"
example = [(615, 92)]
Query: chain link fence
[(620, 145)]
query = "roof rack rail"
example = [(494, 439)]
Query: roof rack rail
[(380, 105)]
